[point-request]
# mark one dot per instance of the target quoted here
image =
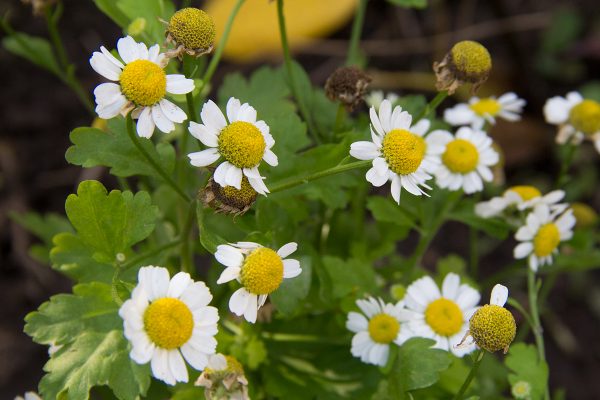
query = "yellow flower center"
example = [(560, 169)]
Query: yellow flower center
[(461, 156), (143, 82), (546, 240), (585, 117), (383, 328), (262, 271), (487, 106), (242, 144), (471, 59), (403, 151), (168, 322), (444, 317), (493, 328), (192, 28), (526, 193), (230, 196)]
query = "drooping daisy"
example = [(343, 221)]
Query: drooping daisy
[(466, 159), (442, 316), (259, 269), (399, 152), (378, 326), (522, 197), (577, 118), (166, 319), (243, 143), (141, 86), (479, 111), (541, 235)]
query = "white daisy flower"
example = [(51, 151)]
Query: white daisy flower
[(243, 143), (141, 86), (399, 152), (166, 319), (541, 235), (466, 159), (378, 326), (442, 316), (479, 111), (375, 98), (576, 117), (523, 197), (259, 269)]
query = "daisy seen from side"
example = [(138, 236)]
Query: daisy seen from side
[(259, 269), (577, 118), (521, 197), (139, 85), (169, 320), (399, 151), (481, 110), (465, 160), (442, 315), (542, 234), (241, 140), (376, 328)]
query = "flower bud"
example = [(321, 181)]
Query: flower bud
[(193, 32), (466, 62), (348, 86)]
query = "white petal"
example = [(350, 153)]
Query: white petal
[(145, 124), (111, 110), (172, 112), (201, 132), (467, 297), (385, 115), (239, 301), (111, 58), (212, 117), (246, 113), (195, 358), (251, 308), (178, 284), (270, 158), (356, 322), (375, 122), (523, 250), (499, 295), (104, 66), (450, 286), (364, 150), (233, 107), (396, 188), (287, 249), (204, 157), (229, 256), (177, 366), (258, 185), (375, 178), (421, 127), (128, 49), (233, 177), (461, 114), (179, 84), (160, 366), (291, 268), (221, 173), (160, 119), (229, 274), (196, 295)]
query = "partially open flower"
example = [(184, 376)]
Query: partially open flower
[(585, 216), (224, 379), (348, 86), (492, 326), (192, 31), (228, 199), (466, 62)]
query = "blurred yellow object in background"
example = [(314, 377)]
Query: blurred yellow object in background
[(255, 33)]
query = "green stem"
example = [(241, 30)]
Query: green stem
[(157, 250), (299, 338), (214, 62), (532, 290), (186, 254), (357, 26), (113, 287), (515, 304), (136, 141), (476, 363), (317, 175), (340, 116), (290, 72), (565, 164), (432, 105)]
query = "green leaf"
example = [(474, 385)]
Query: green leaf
[(44, 227), (111, 9), (417, 366), (526, 366), (114, 149), (386, 210), (35, 49), (62, 318), (409, 3), (150, 10), (94, 359), (71, 256), (208, 238), (110, 223), (349, 276), (287, 298)]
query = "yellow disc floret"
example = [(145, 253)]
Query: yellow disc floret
[(403, 151), (232, 197), (168, 322), (262, 271), (143, 82), (546, 240), (383, 328), (493, 328), (242, 144), (192, 28), (471, 60), (234, 366), (461, 156), (444, 317), (585, 117), (487, 106), (525, 192)]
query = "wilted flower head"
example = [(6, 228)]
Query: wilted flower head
[(466, 62), (193, 32), (348, 86), (224, 379), (228, 199)]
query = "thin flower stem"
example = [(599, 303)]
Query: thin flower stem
[(186, 254), (476, 363), (113, 286), (432, 105), (136, 141), (536, 326), (565, 165), (290, 72), (317, 175), (515, 304), (357, 26), (340, 116)]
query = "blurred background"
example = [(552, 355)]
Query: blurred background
[(540, 48)]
